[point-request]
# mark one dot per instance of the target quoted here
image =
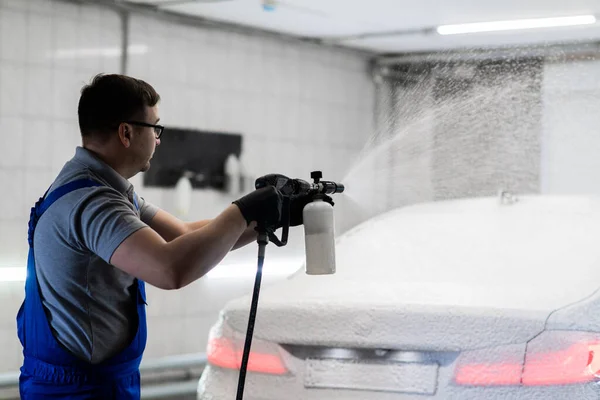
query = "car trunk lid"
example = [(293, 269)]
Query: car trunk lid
[(401, 316)]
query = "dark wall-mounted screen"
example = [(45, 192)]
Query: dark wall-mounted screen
[(200, 154)]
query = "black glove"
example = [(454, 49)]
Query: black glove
[(297, 205), (262, 205)]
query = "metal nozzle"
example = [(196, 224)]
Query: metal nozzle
[(328, 187), (325, 187)]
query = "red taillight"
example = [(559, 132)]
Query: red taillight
[(226, 352), (554, 358), (578, 363), (489, 374)]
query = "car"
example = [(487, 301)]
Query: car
[(474, 298)]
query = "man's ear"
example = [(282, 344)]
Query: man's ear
[(125, 134)]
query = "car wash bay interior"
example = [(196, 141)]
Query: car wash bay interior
[(307, 106)]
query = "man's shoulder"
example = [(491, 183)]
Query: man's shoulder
[(70, 172), (87, 217), (71, 204)]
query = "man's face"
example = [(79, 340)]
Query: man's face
[(146, 140)]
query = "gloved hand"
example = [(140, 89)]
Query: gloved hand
[(297, 205), (262, 205)]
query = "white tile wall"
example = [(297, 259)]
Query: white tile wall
[(13, 35), (13, 179), (12, 153), (40, 29), (12, 81), (299, 107)]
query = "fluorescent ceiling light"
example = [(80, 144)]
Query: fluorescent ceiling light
[(515, 25)]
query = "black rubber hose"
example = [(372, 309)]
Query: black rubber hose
[(262, 244)]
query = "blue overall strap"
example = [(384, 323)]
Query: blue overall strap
[(45, 202), (135, 201), (64, 189)]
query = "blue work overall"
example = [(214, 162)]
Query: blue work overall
[(49, 371)]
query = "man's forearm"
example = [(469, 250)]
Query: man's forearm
[(194, 254), (247, 237), (192, 226)]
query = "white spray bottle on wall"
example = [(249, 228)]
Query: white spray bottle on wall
[(183, 194), (233, 173)]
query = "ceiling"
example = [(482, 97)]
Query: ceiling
[(393, 26)]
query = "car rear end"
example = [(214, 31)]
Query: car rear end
[(553, 365), (460, 300)]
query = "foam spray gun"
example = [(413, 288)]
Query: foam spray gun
[(318, 223)]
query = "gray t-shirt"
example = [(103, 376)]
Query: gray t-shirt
[(90, 304)]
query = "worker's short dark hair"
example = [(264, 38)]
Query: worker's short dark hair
[(110, 100)]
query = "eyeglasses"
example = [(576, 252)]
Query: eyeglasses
[(158, 129)]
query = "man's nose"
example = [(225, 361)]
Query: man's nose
[(157, 142)]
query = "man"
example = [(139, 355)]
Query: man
[(94, 242)]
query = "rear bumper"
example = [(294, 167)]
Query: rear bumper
[(221, 384)]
